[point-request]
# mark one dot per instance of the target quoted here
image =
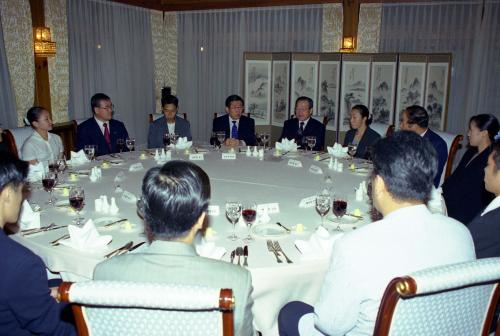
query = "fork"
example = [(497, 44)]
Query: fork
[(271, 248), (278, 248)]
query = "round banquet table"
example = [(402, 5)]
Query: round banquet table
[(246, 179)]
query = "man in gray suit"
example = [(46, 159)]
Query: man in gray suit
[(174, 201), (169, 123)]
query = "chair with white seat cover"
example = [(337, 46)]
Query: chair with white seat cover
[(15, 138), (453, 144), (455, 299), (382, 129), (144, 308)]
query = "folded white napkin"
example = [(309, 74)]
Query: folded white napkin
[(86, 238), (183, 143), (95, 174), (78, 158), (35, 172), (337, 150), (120, 177), (287, 145), (319, 245), (136, 167), (28, 219), (436, 202), (210, 250)]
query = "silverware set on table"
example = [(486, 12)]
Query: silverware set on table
[(275, 247), (240, 252), (50, 227)]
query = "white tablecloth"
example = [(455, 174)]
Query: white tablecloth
[(245, 179)]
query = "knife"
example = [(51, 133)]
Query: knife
[(125, 247), (284, 227), (245, 254), (136, 246), (233, 253), (45, 230), (115, 222), (56, 242)]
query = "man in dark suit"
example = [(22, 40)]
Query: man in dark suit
[(26, 304), (485, 228), (239, 129), (303, 125), (415, 118), (101, 130)]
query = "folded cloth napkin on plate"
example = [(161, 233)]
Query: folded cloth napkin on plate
[(78, 158), (337, 150), (436, 202), (287, 145), (28, 218), (183, 143), (35, 172), (319, 245), (210, 250), (136, 167), (86, 238)]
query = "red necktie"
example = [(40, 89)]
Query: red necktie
[(106, 135)]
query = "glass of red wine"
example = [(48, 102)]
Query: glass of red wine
[(49, 180), (249, 214), (339, 209), (77, 202)]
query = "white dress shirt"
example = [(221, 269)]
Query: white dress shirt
[(364, 261), (231, 124), (37, 148), (492, 206)]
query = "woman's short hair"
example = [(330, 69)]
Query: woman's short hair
[(486, 122), (364, 112), (34, 114), (407, 163), (174, 196)]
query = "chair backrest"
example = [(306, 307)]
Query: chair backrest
[(152, 117), (456, 299), (383, 129), (67, 132), (453, 144), (15, 138), (134, 308)]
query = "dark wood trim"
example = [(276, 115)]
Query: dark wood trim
[(67, 132), (226, 305), (63, 296), (451, 155)]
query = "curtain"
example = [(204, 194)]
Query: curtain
[(8, 115), (206, 77), (110, 51), (470, 30)]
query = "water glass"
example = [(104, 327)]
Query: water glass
[(221, 137), (233, 214), (311, 142), (264, 137), (90, 151), (323, 202), (120, 144), (130, 143)]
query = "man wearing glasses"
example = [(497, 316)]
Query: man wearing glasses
[(101, 130)]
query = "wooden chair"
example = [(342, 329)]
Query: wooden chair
[(67, 132), (152, 117), (15, 138), (453, 143), (122, 308), (456, 299)]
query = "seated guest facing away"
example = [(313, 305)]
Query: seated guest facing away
[(464, 191), (169, 123), (101, 130), (240, 130), (303, 125), (485, 228), (407, 239), (174, 203), (26, 306), (360, 133), (41, 145), (416, 119)]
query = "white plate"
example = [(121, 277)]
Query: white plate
[(268, 231), (346, 219)]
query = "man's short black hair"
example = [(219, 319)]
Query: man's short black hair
[(96, 99), (233, 98), (12, 171), (174, 196), (306, 99), (407, 163), (417, 115), (169, 99)]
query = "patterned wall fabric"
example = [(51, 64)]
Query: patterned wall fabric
[(370, 18), (332, 27), (18, 38)]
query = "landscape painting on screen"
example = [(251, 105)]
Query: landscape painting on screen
[(280, 92), (329, 83), (257, 89), (355, 79), (435, 98), (411, 80), (304, 81), (382, 92)]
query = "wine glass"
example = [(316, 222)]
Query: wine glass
[(49, 180), (221, 136), (264, 137), (311, 142), (90, 151), (53, 166), (77, 202), (166, 140), (173, 140), (61, 163), (120, 144), (351, 150), (233, 214), (323, 202), (339, 209), (130, 143), (249, 213)]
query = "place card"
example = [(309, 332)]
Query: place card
[(270, 208), (308, 202), (213, 210), (315, 170), (196, 157), (228, 156), (295, 163)]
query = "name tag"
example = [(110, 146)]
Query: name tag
[(213, 210), (295, 163), (308, 202), (271, 208), (196, 157), (228, 156), (315, 170)]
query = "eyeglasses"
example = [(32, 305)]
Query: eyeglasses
[(109, 108)]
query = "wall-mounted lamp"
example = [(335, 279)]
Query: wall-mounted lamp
[(348, 44), (43, 42)]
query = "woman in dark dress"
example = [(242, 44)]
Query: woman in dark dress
[(360, 134), (464, 191)]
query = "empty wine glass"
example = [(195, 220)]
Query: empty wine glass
[(233, 214), (264, 137), (77, 202), (221, 136), (120, 144), (311, 142), (249, 214), (61, 163), (90, 151), (173, 140), (49, 180), (339, 209), (351, 149), (323, 202), (130, 143)]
